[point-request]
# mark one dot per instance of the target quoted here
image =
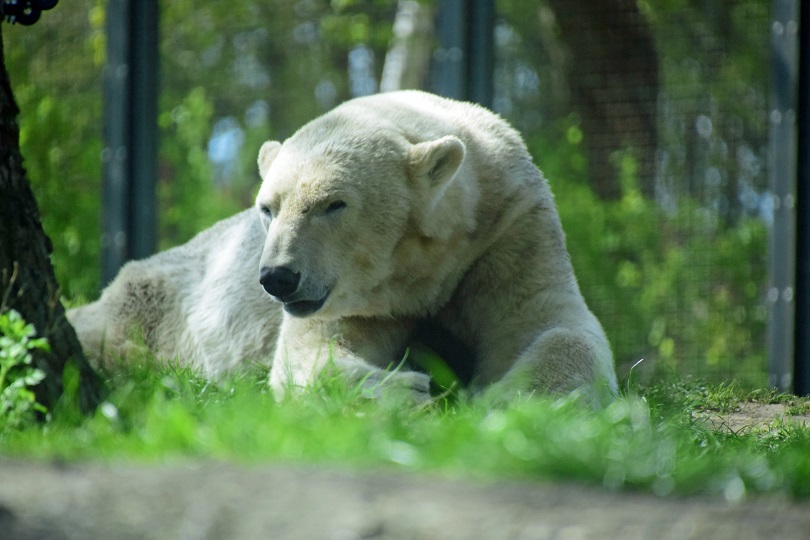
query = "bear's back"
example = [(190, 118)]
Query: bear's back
[(420, 117)]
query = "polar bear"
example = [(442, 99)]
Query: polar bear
[(389, 215)]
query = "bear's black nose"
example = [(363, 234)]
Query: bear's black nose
[(279, 281)]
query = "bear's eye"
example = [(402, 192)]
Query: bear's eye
[(334, 206), (266, 211)]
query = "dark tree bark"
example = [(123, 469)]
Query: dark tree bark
[(27, 280), (613, 77)]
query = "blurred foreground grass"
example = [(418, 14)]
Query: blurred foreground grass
[(648, 439)]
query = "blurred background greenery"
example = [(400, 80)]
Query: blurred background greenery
[(648, 118)]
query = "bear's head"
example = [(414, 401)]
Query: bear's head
[(338, 204)]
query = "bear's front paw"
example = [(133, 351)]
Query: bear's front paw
[(412, 383)]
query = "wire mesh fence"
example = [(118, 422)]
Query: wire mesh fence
[(667, 104), (648, 117)]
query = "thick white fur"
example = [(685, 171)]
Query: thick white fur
[(200, 303), (444, 218)]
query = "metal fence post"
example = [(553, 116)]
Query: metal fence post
[(143, 132), (463, 63), (116, 141), (481, 58), (782, 173), (801, 378), (449, 70), (130, 134)]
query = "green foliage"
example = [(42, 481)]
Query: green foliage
[(56, 83), (678, 278), (17, 375), (354, 22), (189, 201), (677, 288)]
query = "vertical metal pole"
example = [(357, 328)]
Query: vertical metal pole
[(142, 224), (116, 141), (801, 379), (449, 69), (130, 134), (464, 62), (782, 173), (481, 64)]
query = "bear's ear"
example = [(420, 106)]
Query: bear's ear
[(434, 163), (442, 205), (267, 153)]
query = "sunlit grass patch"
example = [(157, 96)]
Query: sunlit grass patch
[(647, 440)]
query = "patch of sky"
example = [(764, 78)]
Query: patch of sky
[(362, 79), (223, 149)]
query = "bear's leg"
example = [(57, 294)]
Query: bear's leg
[(360, 349), (520, 309), (126, 318), (560, 361), (90, 323)]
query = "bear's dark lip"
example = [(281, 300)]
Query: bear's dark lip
[(302, 308)]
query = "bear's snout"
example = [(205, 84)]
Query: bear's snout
[(279, 281)]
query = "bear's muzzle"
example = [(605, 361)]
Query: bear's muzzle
[(284, 285)]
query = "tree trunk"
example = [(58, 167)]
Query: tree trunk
[(27, 281), (613, 76), (406, 64)]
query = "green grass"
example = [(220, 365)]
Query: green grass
[(648, 439)]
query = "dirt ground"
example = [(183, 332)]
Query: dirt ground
[(754, 417), (215, 500), (210, 500)]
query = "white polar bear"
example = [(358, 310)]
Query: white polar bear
[(390, 214)]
